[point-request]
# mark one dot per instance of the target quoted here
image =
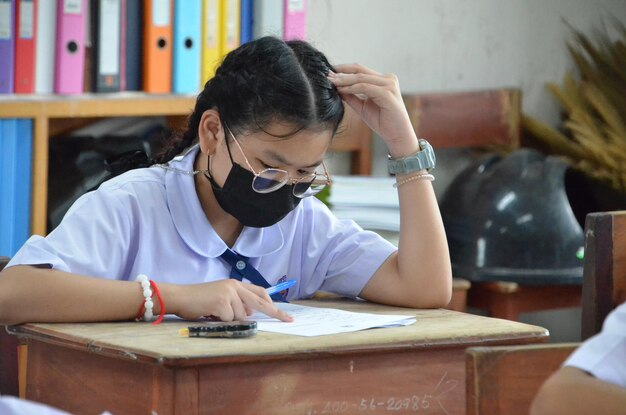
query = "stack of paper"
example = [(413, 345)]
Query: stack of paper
[(316, 321), (372, 202)]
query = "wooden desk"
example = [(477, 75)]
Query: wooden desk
[(136, 368)]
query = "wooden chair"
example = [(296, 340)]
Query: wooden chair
[(355, 137), (604, 272), (8, 356), (484, 119), (505, 379)]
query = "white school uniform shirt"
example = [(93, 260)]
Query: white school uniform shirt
[(150, 221), (604, 355), (10, 405)]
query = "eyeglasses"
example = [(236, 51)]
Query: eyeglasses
[(271, 179)]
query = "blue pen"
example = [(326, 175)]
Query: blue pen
[(280, 287)]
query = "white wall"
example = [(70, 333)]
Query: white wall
[(456, 45)]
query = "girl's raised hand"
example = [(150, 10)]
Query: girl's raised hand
[(376, 98)]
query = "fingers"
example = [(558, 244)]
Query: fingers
[(355, 68), (239, 311), (230, 300), (264, 304), (259, 291), (272, 311), (364, 86), (356, 103), (342, 79)]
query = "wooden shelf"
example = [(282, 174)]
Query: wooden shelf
[(125, 104), (45, 110), (51, 111)]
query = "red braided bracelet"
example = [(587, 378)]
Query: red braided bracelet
[(161, 303)]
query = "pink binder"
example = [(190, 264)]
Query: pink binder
[(70, 46), (294, 19)]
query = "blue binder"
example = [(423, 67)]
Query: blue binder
[(186, 57), (245, 34), (15, 183)]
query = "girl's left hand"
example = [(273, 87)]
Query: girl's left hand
[(376, 98)]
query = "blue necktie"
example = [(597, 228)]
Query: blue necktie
[(241, 268)]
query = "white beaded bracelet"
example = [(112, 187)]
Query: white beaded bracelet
[(148, 305), (421, 176)]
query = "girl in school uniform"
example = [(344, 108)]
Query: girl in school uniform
[(227, 210), (593, 379)]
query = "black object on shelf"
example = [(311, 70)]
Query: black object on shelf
[(80, 163)]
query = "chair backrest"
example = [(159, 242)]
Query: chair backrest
[(505, 379), (604, 271), (355, 137), (467, 119)]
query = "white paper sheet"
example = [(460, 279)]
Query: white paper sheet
[(317, 321)]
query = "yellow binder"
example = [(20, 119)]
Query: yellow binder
[(231, 21), (211, 38)]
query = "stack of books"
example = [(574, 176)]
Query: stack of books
[(372, 202)]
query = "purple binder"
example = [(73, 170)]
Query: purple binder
[(7, 45)]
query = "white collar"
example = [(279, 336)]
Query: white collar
[(193, 225)]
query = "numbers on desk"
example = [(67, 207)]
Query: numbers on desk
[(336, 407), (415, 403)]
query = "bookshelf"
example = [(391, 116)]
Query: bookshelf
[(55, 114)]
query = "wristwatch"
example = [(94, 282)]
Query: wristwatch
[(422, 160)]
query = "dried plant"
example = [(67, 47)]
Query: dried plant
[(594, 133)]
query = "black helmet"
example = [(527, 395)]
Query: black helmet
[(510, 219)]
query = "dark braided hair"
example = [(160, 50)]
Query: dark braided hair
[(262, 81)]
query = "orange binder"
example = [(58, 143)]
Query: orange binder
[(157, 46), (25, 27)]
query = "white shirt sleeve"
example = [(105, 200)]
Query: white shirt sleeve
[(338, 255), (604, 355), (93, 239)]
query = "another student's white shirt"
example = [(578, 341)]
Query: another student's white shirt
[(604, 355), (150, 221), (10, 405)]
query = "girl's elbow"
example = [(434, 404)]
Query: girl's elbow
[(444, 298), (544, 402), (439, 299), (7, 301), (437, 295), (5, 309), (442, 295)]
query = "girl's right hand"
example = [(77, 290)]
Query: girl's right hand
[(227, 300)]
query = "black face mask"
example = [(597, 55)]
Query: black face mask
[(257, 210)]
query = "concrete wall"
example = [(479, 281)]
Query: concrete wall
[(456, 45)]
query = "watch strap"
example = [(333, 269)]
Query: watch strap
[(422, 160)]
